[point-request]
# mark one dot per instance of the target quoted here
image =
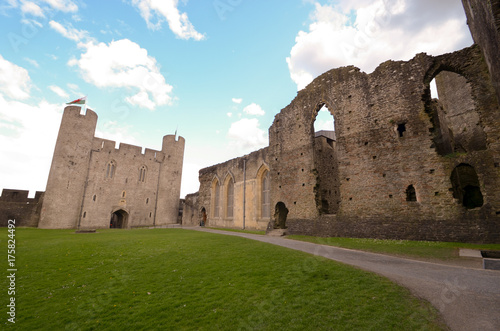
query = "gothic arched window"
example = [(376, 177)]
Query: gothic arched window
[(110, 169)]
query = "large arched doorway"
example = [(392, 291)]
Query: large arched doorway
[(324, 136), (118, 219), (455, 119), (203, 216), (280, 214), (466, 187)]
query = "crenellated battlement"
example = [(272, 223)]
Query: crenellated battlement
[(124, 150), (9, 195), (16, 205), (76, 112)]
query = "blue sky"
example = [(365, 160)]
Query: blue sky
[(216, 71)]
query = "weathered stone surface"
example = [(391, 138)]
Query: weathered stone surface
[(246, 174), (91, 183), (403, 165), (15, 205), (483, 18), (190, 214)]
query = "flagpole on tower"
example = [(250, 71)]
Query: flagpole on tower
[(81, 101)]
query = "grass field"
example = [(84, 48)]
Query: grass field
[(174, 279), (407, 248)]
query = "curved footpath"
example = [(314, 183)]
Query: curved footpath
[(468, 298)]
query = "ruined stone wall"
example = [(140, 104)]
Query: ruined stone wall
[(191, 215), (457, 116), (15, 205), (391, 175), (218, 177), (483, 18), (327, 183)]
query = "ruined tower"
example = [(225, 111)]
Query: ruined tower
[(69, 169), (169, 181)]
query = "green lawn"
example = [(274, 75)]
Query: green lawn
[(408, 248), (175, 279)]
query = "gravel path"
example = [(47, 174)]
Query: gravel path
[(468, 298)]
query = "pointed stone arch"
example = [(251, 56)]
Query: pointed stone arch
[(110, 169), (203, 217), (263, 190), (228, 194), (326, 190), (280, 215), (142, 173), (215, 197), (456, 121)]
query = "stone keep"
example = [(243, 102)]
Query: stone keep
[(94, 185)]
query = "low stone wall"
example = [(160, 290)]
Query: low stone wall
[(458, 230), (15, 204)]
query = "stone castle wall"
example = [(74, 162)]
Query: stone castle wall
[(404, 165), (483, 18), (389, 143), (92, 184), (191, 216), (217, 178), (15, 205)]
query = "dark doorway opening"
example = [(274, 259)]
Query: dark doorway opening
[(118, 219), (280, 214), (466, 186), (203, 220)]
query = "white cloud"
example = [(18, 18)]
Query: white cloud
[(59, 91), (229, 114), (245, 136), (66, 6), (40, 8), (366, 33), (162, 10), (73, 87), (254, 109), (237, 100), (141, 99), (27, 139), (124, 63), (32, 62), (111, 130), (28, 7), (70, 32), (190, 182), (15, 81)]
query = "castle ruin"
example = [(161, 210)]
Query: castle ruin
[(400, 165), (93, 185)]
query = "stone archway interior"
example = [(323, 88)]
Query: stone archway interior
[(280, 214), (118, 219)]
